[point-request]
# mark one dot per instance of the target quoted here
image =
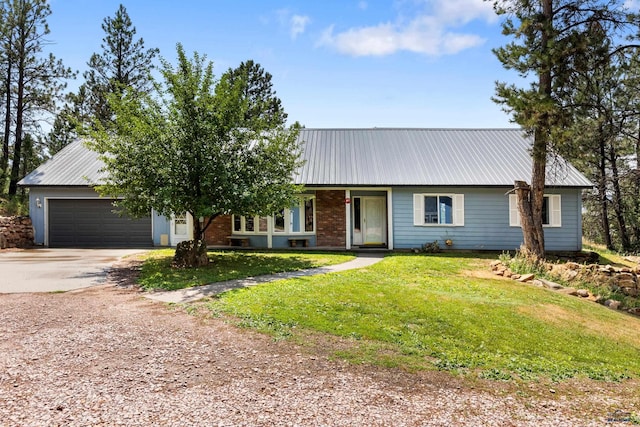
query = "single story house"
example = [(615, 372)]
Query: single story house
[(390, 188)]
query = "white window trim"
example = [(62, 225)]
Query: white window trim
[(271, 222), (555, 211), (458, 209)]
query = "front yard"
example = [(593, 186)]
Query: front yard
[(442, 312), (157, 273)]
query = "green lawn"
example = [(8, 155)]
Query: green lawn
[(443, 312), (226, 265)]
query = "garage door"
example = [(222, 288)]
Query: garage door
[(91, 223)]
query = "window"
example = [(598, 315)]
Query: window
[(357, 222), (438, 209), (180, 224), (299, 218), (551, 211)]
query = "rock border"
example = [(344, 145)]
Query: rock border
[(623, 279)]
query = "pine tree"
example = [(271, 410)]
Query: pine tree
[(551, 38), (257, 90), (35, 81), (123, 64)]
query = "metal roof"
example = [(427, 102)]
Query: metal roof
[(74, 165), (434, 157), (372, 157)]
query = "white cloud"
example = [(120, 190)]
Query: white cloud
[(298, 25), (431, 33)]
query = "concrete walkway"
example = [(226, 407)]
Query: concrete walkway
[(198, 292)]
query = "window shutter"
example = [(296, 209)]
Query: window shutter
[(458, 209), (555, 210), (418, 209), (514, 215)]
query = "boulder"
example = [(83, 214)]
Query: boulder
[(568, 291), (526, 277), (584, 293), (612, 304), (569, 275), (608, 269), (551, 285), (3, 241), (572, 266)]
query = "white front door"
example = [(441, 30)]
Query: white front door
[(374, 221), (181, 228)]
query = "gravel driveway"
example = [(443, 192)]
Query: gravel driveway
[(107, 356)]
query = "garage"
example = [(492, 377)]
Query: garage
[(92, 223)]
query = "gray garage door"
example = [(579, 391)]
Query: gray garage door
[(91, 223)]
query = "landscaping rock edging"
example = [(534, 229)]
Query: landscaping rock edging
[(16, 232), (622, 279)]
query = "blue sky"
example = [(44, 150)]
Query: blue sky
[(335, 63)]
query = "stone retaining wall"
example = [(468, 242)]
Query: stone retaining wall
[(625, 280), (16, 232)]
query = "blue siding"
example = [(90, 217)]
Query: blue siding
[(280, 242), (486, 221), (161, 225)]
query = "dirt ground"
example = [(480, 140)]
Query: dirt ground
[(108, 356)]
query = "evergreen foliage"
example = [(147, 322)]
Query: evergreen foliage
[(553, 40), (124, 64), (32, 81)]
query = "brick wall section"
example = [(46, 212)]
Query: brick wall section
[(330, 218), (218, 231), (16, 232)]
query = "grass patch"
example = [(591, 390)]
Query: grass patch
[(429, 312), (608, 256), (157, 273)]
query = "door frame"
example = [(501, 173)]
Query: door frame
[(359, 235), (174, 238)]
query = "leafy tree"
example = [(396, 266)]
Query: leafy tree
[(190, 149), (33, 81), (551, 40)]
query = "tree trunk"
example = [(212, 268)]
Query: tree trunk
[(523, 193), (531, 203), (4, 162), (636, 196), (17, 145), (191, 254), (602, 198), (618, 205)]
